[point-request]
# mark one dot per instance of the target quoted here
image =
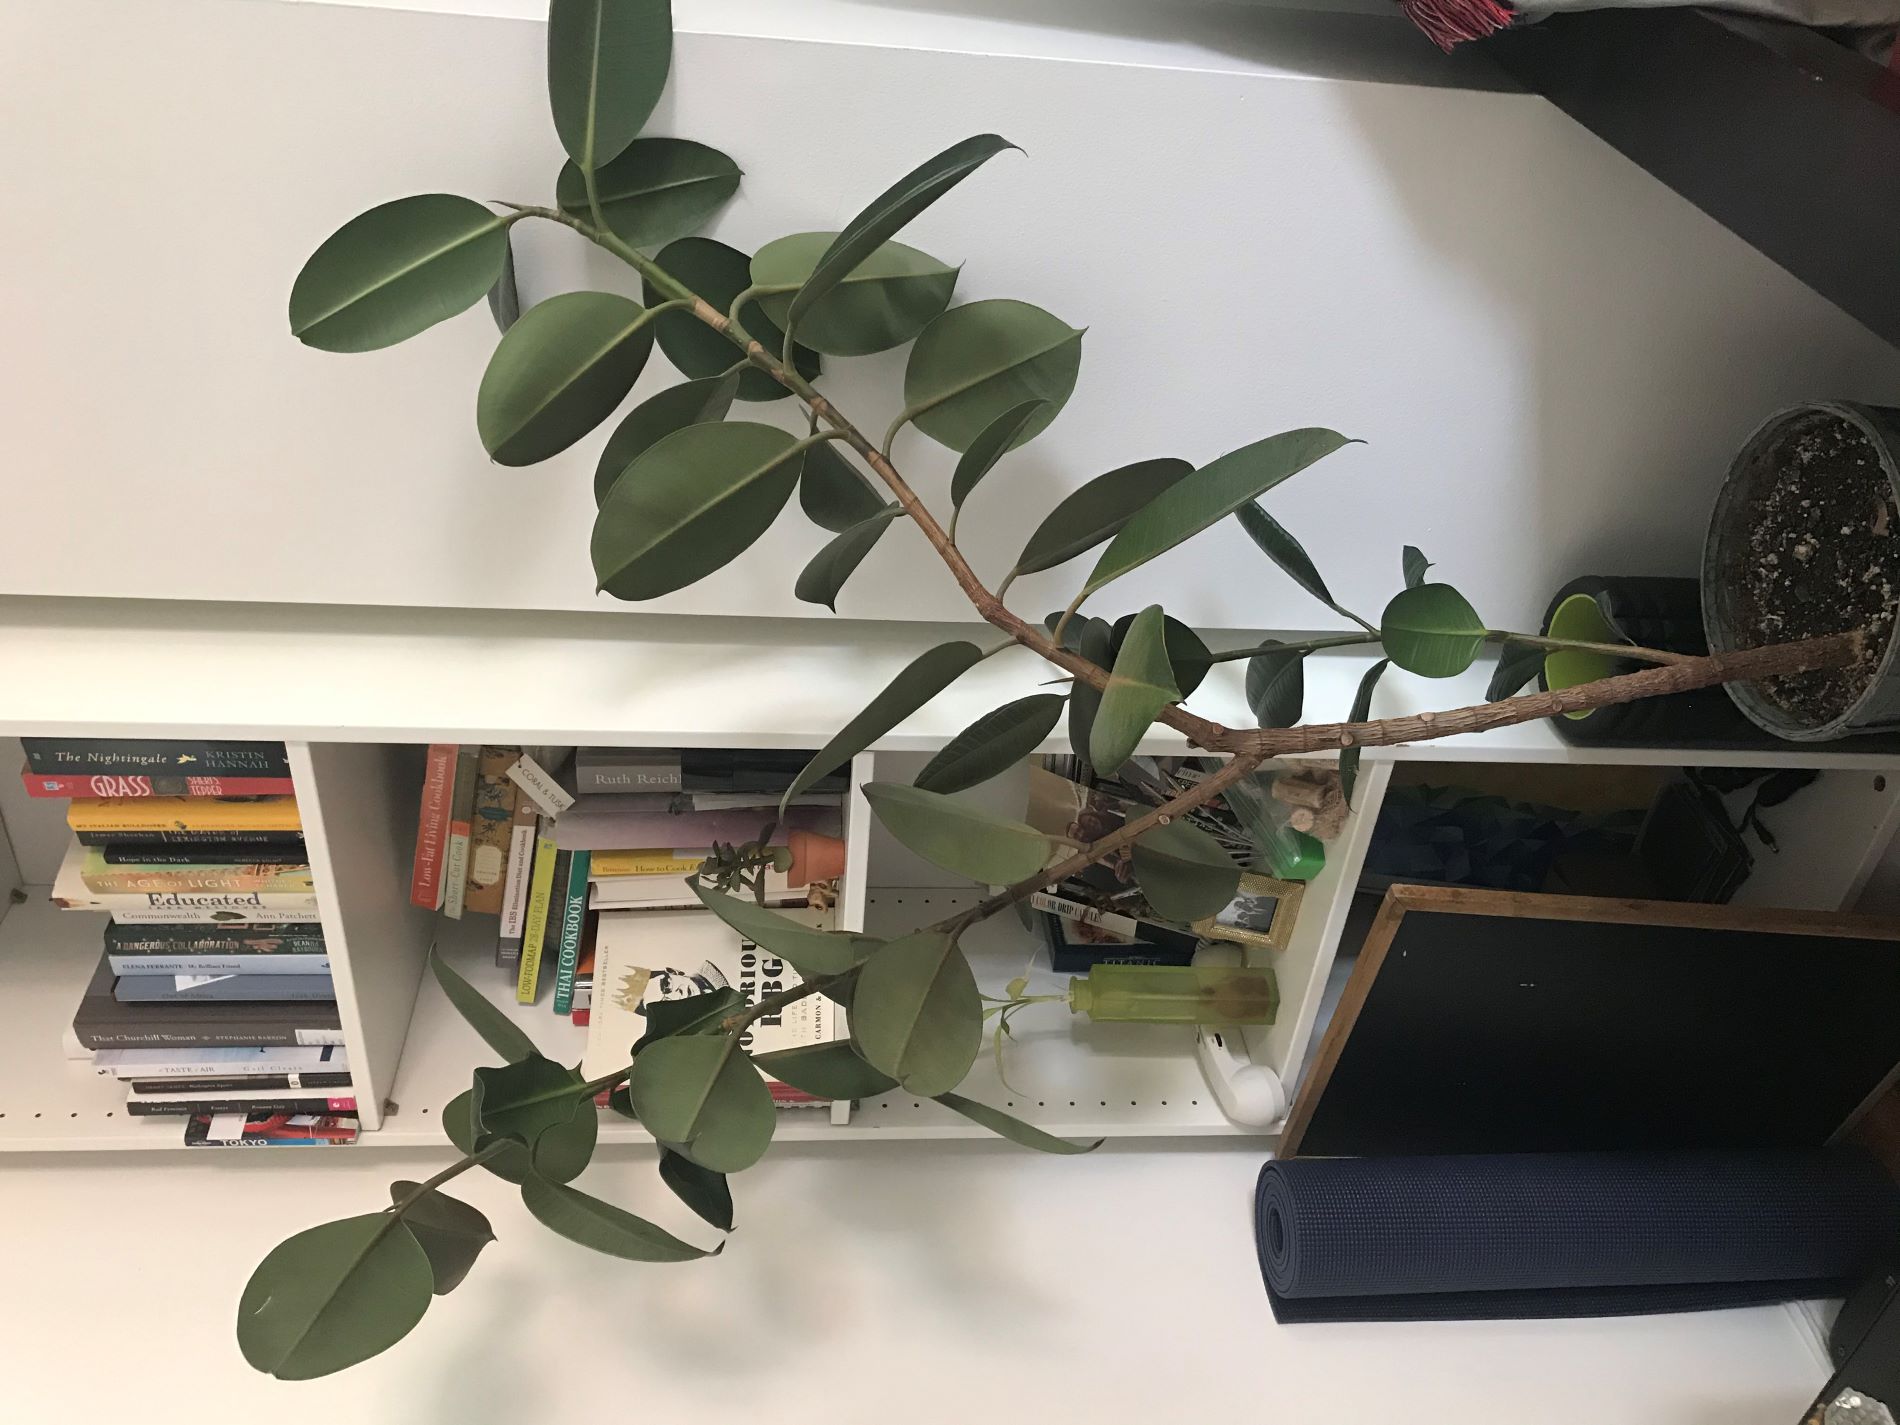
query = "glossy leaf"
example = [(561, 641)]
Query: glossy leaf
[(332, 1296), (701, 1189), (1188, 653), (607, 63), (700, 1094), (504, 298), (1416, 565), (1012, 1127), (1097, 511), (499, 1031), (1209, 495), (1140, 684), (511, 1164), (1431, 630), (521, 1101), (820, 581), (657, 190), (559, 372), (997, 439), (719, 274), (693, 1014), (979, 360), (689, 505), (1184, 873), (992, 744), (1276, 687), (1095, 642), (1283, 549), (690, 403), (449, 1231), (886, 215), (1518, 664), (832, 491), (826, 1071), (1361, 711), (884, 302), (916, 1014), (957, 836), (583, 1218), (810, 952), (397, 270), (925, 676)]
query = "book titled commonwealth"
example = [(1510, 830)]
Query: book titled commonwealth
[(70, 892)]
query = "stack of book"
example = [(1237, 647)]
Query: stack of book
[(212, 999)]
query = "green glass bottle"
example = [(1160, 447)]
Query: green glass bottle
[(1176, 994)]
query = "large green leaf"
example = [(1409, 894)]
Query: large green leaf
[(521, 1101), (808, 951), (332, 1296), (397, 270), (1283, 549), (449, 1231), (1518, 664), (1012, 1127), (977, 361), (607, 63), (1096, 642), (701, 1189), (890, 297), (719, 274), (690, 403), (1139, 686), (832, 491), (504, 298), (1097, 511), (658, 190), (1430, 629), (958, 836), (694, 1014), (888, 213), (997, 439), (1184, 873), (585, 1219), (925, 676), (916, 1014), (1416, 565), (992, 744), (1209, 495), (1276, 686), (1361, 711), (690, 504), (458, 1121), (499, 1031), (559, 372), (700, 1094), (1188, 654), (826, 1071), (820, 581)]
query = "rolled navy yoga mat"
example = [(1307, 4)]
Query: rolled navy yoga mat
[(1566, 1234)]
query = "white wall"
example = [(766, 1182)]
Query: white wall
[(1550, 354), (33, 828)]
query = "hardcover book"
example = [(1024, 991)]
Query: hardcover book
[(489, 828), (247, 989), (516, 884), (269, 1130), (241, 1083), (186, 1061), (548, 865), (286, 846), (117, 814), (102, 1022), (192, 940), (612, 823), (432, 827), (121, 852), (572, 909), (461, 813), (103, 878), (707, 769), (99, 784), (71, 893), (270, 1101), (133, 756)]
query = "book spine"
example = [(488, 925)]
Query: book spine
[(662, 861), (194, 940), (205, 915), (146, 1108), (221, 853), (461, 811), (137, 965), (240, 1083), (596, 771), (205, 1036), (67, 785), (489, 830), (136, 880), (218, 815), (232, 989), (516, 884), (241, 904), (131, 755), (432, 827), (267, 1130), (285, 845), (534, 930), (573, 919)]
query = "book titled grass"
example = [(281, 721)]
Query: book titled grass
[(98, 814), (105, 878)]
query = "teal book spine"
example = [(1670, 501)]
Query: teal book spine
[(573, 918)]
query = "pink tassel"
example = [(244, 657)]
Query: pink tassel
[(1450, 22)]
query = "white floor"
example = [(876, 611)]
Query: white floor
[(919, 1282)]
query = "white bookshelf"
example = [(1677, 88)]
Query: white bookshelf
[(356, 693)]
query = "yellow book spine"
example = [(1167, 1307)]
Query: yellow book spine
[(658, 861), (535, 930)]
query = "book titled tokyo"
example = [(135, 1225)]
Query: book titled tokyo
[(145, 756), (103, 784), (269, 1130)]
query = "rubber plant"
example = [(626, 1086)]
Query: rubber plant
[(685, 484)]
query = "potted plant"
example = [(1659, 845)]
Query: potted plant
[(684, 488)]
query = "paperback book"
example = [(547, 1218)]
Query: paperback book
[(247, 989), (104, 878), (611, 823), (70, 892), (99, 784), (491, 822), (266, 1101), (269, 1130), (104, 1022), (215, 949), (426, 878), (242, 1083), (174, 814), (187, 1061), (124, 851), (128, 756), (708, 769), (285, 846)]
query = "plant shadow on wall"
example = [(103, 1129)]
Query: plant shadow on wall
[(685, 485)]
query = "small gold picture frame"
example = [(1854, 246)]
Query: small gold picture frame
[(1260, 917)]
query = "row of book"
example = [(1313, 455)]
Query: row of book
[(212, 1000)]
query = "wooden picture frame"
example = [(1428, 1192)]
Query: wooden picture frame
[(1403, 901), (1287, 897)]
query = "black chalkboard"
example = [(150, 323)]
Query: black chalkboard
[(1486, 1022)]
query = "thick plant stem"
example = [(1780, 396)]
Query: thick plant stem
[(454, 1170), (1304, 645)]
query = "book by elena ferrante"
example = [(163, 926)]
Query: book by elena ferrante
[(119, 814), (147, 756), (71, 893), (99, 784), (103, 878), (102, 1022)]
